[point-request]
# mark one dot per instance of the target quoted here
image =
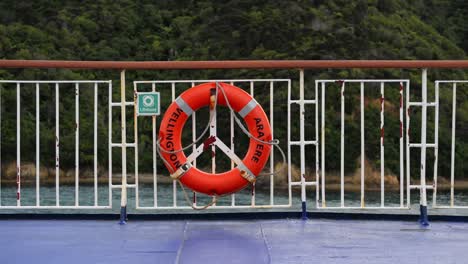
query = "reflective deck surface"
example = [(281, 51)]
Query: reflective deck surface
[(247, 241)]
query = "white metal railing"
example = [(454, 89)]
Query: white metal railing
[(19, 84), (302, 143), (394, 84), (423, 145), (453, 85), (271, 87), (169, 86)]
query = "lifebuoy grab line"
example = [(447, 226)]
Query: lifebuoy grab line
[(171, 150)]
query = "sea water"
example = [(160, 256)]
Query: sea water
[(165, 197)]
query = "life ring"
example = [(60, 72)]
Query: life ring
[(247, 170)]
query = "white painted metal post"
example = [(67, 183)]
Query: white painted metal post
[(452, 156), (174, 183), (231, 140), (252, 89), (317, 145), (272, 157), (436, 142), (289, 141), (109, 147), (155, 167), (302, 144), (342, 145), (135, 138), (194, 148), (423, 198), (123, 201), (1, 145), (408, 174), (38, 175), (322, 128), (213, 132), (95, 144), (18, 145), (382, 148), (252, 197), (363, 153), (77, 144), (401, 146), (57, 147)]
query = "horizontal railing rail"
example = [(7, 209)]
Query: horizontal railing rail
[(235, 64)]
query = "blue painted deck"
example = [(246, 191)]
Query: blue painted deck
[(229, 241)]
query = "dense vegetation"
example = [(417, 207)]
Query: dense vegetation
[(221, 30)]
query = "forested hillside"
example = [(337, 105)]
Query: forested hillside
[(222, 30), (207, 30)]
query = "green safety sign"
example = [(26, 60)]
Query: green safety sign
[(148, 103)]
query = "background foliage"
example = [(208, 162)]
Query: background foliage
[(224, 30)]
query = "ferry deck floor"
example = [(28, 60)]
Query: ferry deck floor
[(232, 241)]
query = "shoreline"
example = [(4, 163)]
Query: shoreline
[(147, 179)]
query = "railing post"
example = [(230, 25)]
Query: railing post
[(123, 201), (423, 198), (452, 155), (363, 151), (302, 139), (18, 145)]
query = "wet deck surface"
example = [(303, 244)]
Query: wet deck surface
[(253, 241)]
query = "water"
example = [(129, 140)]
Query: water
[(165, 197)]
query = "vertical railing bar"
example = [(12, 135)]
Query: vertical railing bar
[(123, 120), (233, 196), (57, 146), (436, 142), (408, 175), (1, 86), (38, 175), (289, 141), (95, 144), (232, 135), (302, 145), (18, 145), (252, 89), (363, 153), (194, 147), (213, 170), (174, 183), (77, 144), (452, 156), (382, 148), (109, 147), (135, 136), (342, 145), (322, 130), (401, 147), (272, 157), (423, 198), (155, 167), (252, 196), (317, 160)]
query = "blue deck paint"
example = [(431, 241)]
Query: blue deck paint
[(232, 241)]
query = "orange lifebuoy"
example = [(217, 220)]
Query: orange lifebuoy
[(170, 134)]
